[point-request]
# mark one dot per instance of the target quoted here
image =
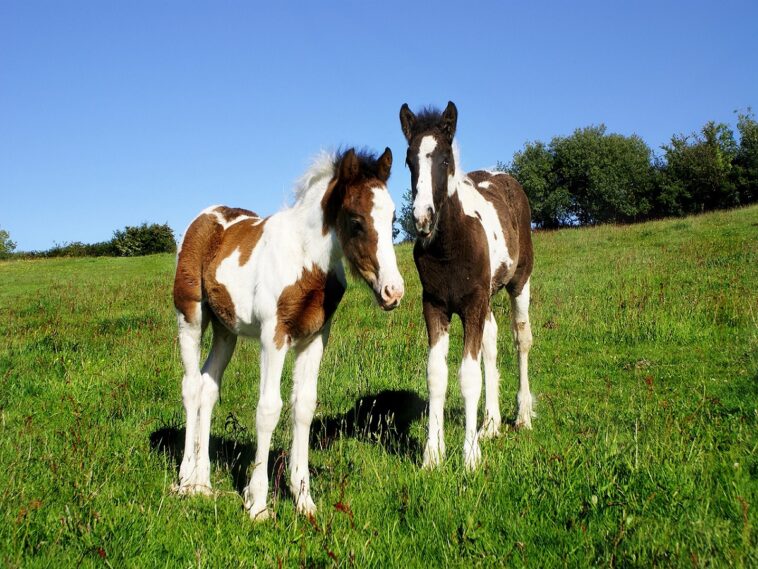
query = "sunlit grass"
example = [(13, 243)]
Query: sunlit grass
[(644, 450)]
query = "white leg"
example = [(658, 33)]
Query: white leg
[(470, 376), (436, 378), (213, 370), (522, 338), (266, 418), (190, 335), (305, 380), (491, 426)]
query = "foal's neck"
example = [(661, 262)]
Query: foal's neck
[(307, 229)]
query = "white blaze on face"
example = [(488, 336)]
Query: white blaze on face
[(390, 283), (424, 198)]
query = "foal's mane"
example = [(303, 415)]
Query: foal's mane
[(428, 118), (324, 167)]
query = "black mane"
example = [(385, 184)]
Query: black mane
[(368, 161), (427, 118)]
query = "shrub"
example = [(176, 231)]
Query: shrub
[(6, 245), (144, 240)]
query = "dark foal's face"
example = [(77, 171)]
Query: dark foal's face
[(431, 162), (362, 216)]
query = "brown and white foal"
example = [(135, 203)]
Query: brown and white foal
[(278, 279), (474, 238)]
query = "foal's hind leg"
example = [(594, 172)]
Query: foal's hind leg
[(213, 370), (491, 426), (190, 335), (522, 338)]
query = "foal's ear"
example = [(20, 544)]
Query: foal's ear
[(385, 164), (331, 203), (449, 121), (407, 121), (349, 167)]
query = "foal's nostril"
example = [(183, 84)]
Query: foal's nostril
[(387, 292)]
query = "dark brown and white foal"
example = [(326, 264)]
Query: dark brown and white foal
[(278, 279), (474, 238)]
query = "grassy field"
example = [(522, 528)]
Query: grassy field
[(644, 451)]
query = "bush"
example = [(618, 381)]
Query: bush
[(6, 245), (129, 242), (144, 240)]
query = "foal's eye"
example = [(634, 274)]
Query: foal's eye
[(445, 162), (356, 226)]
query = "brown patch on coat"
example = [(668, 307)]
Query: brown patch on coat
[(205, 245), (359, 250), (199, 245), (243, 235), (231, 213), (305, 306)]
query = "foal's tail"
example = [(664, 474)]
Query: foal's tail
[(199, 245)]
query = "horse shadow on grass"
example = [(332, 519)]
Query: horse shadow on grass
[(384, 418), (227, 452)]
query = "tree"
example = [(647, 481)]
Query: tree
[(608, 176), (534, 168), (745, 165), (587, 177), (6, 245), (697, 172), (405, 222)]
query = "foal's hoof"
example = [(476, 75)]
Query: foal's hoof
[(193, 490), (432, 457), (524, 419), (490, 429), (306, 506), (472, 458), (259, 513)]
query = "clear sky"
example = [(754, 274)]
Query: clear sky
[(113, 113)]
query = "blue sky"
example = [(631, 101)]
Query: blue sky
[(113, 113)]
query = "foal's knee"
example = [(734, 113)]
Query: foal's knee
[(267, 414), (522, 335), (470, 377), (304, 407), (192, 386)]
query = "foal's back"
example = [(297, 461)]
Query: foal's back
[(511, 207)]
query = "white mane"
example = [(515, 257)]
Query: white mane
[(321, 169)]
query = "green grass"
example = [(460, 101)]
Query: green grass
[(644, 450)]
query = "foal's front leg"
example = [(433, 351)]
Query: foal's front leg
[(437, 326), (491, 425), (266, 418), (470, 376), (305, 380)]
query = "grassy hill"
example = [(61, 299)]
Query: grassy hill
[(644, 450)]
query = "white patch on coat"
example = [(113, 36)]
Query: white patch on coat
[(382, 214), (424, 195), (473, 202), (485, 184)]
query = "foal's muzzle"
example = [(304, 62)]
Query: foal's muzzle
[(424, 222)]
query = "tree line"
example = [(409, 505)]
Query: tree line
[(132, 241), (592, 176)]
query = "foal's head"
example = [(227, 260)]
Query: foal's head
[(359, 208), (430, 160)]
